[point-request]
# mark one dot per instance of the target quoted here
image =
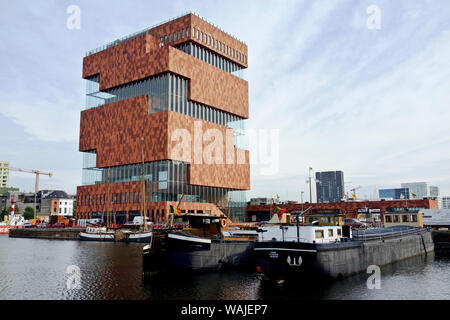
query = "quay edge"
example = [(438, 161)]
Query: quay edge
[(441, 239), (54, 234)]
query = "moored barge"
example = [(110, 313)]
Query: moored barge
[(207, 243), (335, 250)]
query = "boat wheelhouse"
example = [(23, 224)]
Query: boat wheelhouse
[(205, 243)]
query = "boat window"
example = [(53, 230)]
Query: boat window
[(405, 218), (206, 221), (396, 218), (414, 218), (388, 218), (330, 233), (325, 219), (319, 234), (339, 232)]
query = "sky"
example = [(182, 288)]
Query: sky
[(374, 103)]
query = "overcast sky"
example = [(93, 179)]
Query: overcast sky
[(374, 103)]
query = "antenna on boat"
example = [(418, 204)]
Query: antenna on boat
[(298, 214)]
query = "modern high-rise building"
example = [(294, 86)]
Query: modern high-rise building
[(167, 106), (418, 188), (434, 191), (394, 193), (4, 174), (445, 202), (330, 186)]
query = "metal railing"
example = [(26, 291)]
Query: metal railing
[(362, 235), (138, 33)]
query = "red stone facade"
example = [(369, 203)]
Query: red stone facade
[(212, 37), (115, 130), (91, 199), (143, 57)]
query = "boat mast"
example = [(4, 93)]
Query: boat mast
[(109, 197), (310, 192), (144, 223), (228, 207)]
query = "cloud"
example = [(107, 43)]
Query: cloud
[(371, 103), (48, 121)]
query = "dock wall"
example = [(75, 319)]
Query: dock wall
[(56, 234), (352, 260), (441, 240)]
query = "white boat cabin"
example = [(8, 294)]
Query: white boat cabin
[(309, 234)]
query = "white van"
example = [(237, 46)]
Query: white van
[(139, 220)]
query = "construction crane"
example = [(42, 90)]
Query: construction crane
[(354, 190), (36, 186), (346, 189)]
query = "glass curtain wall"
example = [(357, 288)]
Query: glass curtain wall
[(212, 58), (165, 92), (165, 181)]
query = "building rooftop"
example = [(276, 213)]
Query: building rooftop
[(58, 194), (139, 33)]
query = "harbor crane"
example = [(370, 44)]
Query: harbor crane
[(36, 186)]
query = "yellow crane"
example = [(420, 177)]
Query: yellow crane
[(353, 191), (36, 186)]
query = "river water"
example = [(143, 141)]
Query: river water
[(38, 269)]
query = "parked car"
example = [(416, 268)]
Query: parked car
[(27, 224), (42, 225), (58, 225), (354, 223)]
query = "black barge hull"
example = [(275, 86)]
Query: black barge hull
[(297, 260), (187, 254)]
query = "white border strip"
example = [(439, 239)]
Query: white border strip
[(179, 237), (283, 249)]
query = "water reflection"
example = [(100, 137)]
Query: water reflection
[(36, 269)]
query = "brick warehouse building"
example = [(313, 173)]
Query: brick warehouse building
[(178, 83), (349, 208)]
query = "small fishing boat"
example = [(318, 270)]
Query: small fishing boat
[(132, 236), (119, 235), (97, 234)]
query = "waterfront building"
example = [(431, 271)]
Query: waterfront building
[(434, 191), (418, 188), (4, 174), (394, 193), (445, 202), (57, 203), (330, 186), (166, 105), (260, 201), (352, 209)]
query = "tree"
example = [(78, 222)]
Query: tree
[(4, 213), (28, 213)]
